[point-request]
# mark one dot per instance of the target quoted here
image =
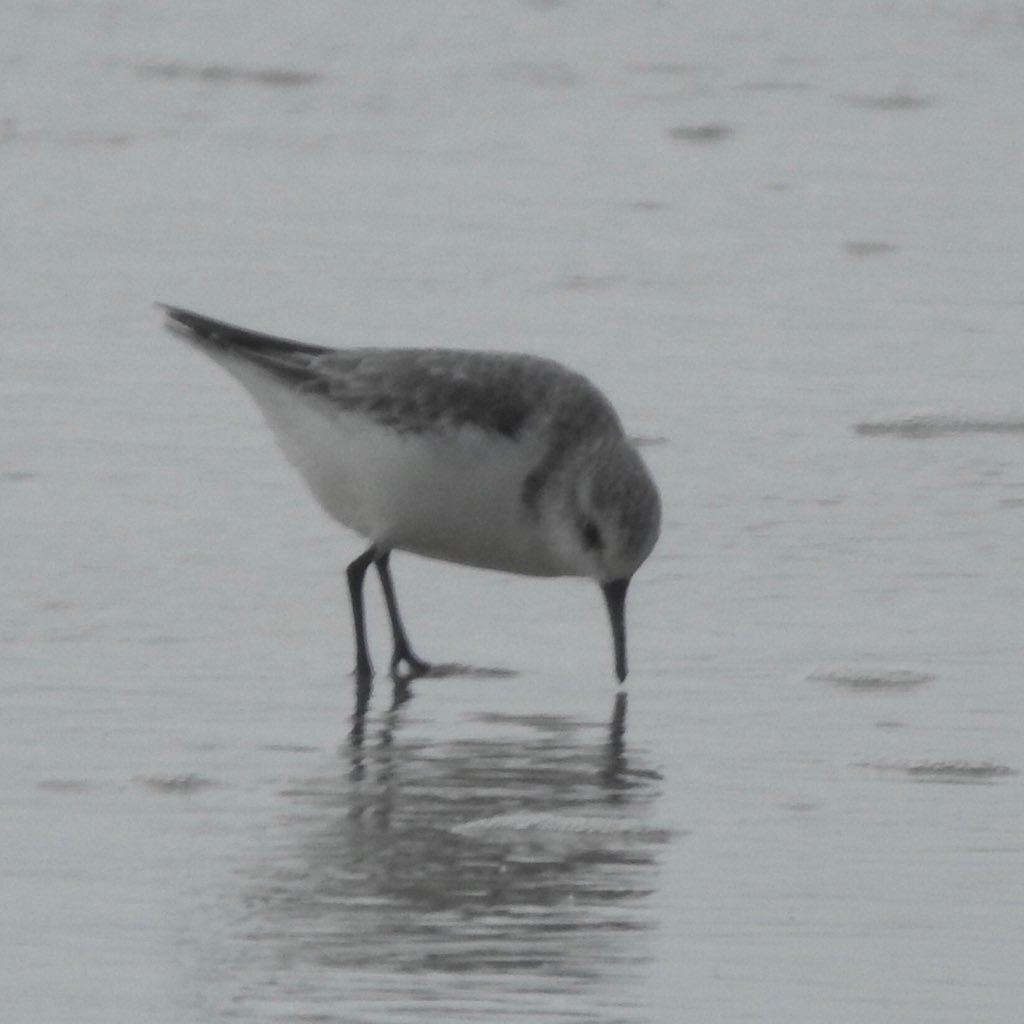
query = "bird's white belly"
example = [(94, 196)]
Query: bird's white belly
[(454, 495)]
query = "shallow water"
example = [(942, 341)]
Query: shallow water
[(786, 243)]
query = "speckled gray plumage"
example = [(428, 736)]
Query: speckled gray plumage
[(420, 390), (413, 390)]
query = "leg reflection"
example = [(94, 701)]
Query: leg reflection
[(364, 687), (401, 692)]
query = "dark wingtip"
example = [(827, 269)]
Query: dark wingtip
[(218, 334), (181, 321), (171, 312)]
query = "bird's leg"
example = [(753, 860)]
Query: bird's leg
[(356, 573), (402, 650)]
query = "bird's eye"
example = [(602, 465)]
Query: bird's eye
[(591, 535)]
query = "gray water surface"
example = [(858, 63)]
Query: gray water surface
[(786, 241)]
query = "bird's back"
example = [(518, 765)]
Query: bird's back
[(416, 390)]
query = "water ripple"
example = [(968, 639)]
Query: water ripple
[(527, 854), (932, 425)]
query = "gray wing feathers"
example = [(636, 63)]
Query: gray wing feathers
[(413, 390)]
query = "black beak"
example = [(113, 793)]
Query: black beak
[(615, 598)]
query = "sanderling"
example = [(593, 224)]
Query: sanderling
[(495, 460)]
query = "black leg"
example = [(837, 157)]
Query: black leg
[(403, 651), (356, 573)]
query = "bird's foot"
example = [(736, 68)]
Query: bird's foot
[(414, 667)]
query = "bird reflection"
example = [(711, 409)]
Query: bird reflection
[(402, 691), (615, 752), (522, 813), (400, 694), (615, 748)]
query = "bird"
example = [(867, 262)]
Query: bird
[(497, 460)]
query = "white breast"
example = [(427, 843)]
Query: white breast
[(454, 494)]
